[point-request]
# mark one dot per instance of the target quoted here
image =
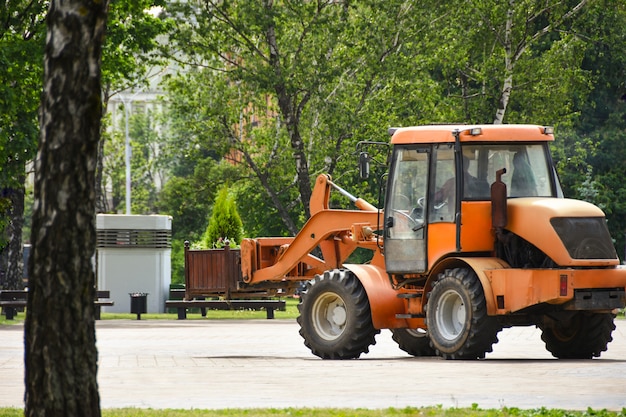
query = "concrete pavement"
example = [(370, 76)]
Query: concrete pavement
[(264, 363)]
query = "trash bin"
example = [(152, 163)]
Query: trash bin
[(138, 303)]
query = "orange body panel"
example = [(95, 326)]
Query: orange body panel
[(520, 288), (476, 233), (480, 266), (441, 241), (507, 290), (383, 299), (489, 133), (524, 214)]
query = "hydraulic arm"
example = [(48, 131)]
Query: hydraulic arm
[(334, 233)]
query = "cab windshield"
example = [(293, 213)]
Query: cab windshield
[(527, 170)]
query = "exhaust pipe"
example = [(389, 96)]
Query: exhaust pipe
[(498, 204)]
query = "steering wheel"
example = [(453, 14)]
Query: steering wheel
[(415, 224)]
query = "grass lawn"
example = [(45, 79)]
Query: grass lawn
[(291, 312)]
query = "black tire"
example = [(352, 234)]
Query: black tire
[(582, 336), (335, 317), (456, 316), (415, 342)]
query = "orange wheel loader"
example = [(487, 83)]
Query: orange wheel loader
[(475, 235)]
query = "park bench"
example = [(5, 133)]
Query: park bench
[(13, 301), (179, 294), (182, 305), (177, 301), (103, 299)]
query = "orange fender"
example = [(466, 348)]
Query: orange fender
[(383, 299), (480, 266)]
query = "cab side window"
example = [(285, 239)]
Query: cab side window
[(443, 186)]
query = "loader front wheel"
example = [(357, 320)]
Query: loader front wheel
[(456, 316), (415, 342), (578, 336), (335, 317)]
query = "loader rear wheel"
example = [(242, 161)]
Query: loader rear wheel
[(580, 336), (415, 342), (456, 316), (335, 317)]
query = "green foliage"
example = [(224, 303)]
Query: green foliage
[(492, 42), (258, 215), (177, 261), (188, 198), (338, 72), (289, 87), (179, 199), (22, 35), (347, 71), (113, 162), (225, 223), (21, 49), (131, 48), (21, 71), (147, 164), (206, 112), (592, 151)]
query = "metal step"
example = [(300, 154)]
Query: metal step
[(410, 295), (410, 316)]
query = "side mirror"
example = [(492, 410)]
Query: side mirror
[(364, 165)]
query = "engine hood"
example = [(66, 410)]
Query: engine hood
[(570, 232)]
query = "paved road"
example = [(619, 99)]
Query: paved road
[(263, 363)]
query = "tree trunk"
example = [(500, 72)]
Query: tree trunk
[(13, 279), (280, 207), (60, 350), (505, 96), (513, 55), (101, 195), (5, 204), (290, 110), (509, 63), (101, 203)]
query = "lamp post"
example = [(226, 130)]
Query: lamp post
[(127, 101), (128, 152)]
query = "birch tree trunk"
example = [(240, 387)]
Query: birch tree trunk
[(513, 50), (509, 63), (60, 349)]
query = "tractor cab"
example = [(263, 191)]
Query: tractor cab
[(438, 197)]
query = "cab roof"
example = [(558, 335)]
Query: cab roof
[(471, 133)]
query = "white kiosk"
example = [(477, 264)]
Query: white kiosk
[(134, 256)]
